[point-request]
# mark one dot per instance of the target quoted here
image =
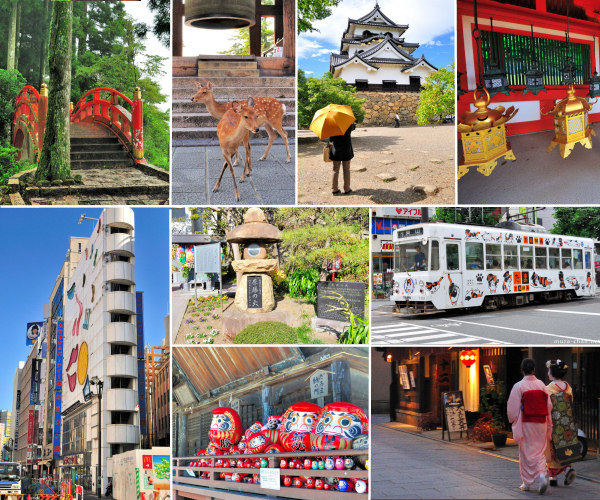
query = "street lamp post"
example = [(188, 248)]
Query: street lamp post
[(96, 381)]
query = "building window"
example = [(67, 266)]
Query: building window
[(389, 85), (361, 84), (115, 257), (120, 318), (114, 230), (119, 287), (514, 53), (120, 349), (415, 81), (121, 417)]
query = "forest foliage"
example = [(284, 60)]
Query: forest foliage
[(109, 49)]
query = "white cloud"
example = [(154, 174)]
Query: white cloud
[(312, 48), (427, 20), (309, 72)]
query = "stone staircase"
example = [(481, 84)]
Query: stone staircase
[(234, 79), (95, 147)]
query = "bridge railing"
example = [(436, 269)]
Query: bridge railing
[(122, 116), (30, 118)]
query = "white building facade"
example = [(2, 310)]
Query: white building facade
[(374, 56), (100, 343)]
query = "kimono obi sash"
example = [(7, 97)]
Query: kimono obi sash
[(535, 406)]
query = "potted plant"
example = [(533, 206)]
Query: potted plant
[(185, 274), (492, 401)]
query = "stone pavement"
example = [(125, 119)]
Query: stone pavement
[(409, 465), (536, 176), (195, 172)]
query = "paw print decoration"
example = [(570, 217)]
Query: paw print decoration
[(519, 239), (479, 278)]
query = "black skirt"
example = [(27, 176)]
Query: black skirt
[(341, 146)]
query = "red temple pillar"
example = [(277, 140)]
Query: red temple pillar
[(137, 124)]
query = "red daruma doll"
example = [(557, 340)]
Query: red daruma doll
[(297, 423), (225, 428), (337, 426)]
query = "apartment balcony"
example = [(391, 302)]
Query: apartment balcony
[(119, 399), (120, 242), (121, 333), (121, 365), (122, 433), (119, 217), (120, 302), (120, 272)]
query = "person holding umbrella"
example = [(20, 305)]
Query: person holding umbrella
[(336, 122)]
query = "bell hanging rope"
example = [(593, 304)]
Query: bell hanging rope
[(220, 14)]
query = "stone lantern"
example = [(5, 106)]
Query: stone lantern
[(571, 123), (255, 290)]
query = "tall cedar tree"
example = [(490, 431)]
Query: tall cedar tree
[(55, 161)]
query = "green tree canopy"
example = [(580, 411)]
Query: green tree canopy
[(241, 40), (11, 83), (437, 96), (310, 11), (316, 93), (488, 216), (584, 221)]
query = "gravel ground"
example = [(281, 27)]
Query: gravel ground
[(415, 156)]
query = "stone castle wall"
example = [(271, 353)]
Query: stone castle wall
[(381, 107)]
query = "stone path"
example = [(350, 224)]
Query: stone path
[(196, 170), (391, 165)]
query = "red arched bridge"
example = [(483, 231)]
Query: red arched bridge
[(101, 117)]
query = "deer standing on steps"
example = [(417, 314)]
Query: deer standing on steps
[(269, 110), (232, 130)]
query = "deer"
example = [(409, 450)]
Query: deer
[(270, 115), (232, 130)]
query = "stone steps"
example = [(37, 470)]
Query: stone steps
[(218, 73), (208, 136), (207, 120), (236, 78), (227, 65), (98, 152), (236, 93), (187, 106), (267, 81)]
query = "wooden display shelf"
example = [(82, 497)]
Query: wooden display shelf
[(196, 488)]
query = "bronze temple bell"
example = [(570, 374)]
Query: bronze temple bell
[(220, 14)]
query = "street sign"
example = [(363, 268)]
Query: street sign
[(455, 418), (208, 258)]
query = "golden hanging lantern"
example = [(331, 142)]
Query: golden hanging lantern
[(571, 123), (483, 135)]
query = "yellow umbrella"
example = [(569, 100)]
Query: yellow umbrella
[(332, 120)]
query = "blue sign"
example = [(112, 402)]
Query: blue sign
[(380, 225), (33, 332), (139, 310), (60, 335)]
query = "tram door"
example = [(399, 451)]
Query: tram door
[(453, 263)]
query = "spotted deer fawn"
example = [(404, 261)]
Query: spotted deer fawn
[(233, 128), (269, 113)]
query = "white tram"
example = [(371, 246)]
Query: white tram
[(441, 266)]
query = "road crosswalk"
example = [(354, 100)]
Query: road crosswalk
[(409, 333)]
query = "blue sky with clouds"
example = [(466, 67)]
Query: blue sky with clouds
[(431, 23), (33, 246)]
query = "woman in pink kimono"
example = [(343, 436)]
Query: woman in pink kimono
[(528, 410), (556, 372)]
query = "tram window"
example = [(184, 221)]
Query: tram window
[(474, 255), (493, 256), (577, 261), (588, 260), (526, 257), (410, 257), (435, 255), (554, 258), (541, 258), (511, 257), (452, 257), (565, 257)]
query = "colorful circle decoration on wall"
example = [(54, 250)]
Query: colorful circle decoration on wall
[(82, 363)]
